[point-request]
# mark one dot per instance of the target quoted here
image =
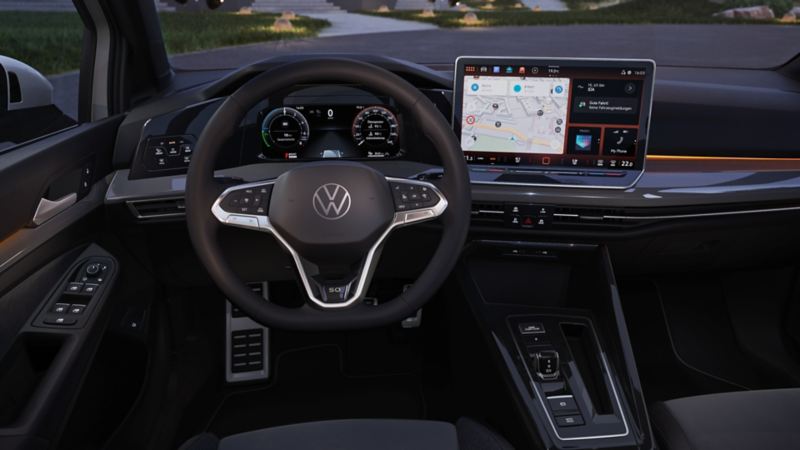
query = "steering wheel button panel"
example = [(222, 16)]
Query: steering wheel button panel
[(409, 196), (248, 201)]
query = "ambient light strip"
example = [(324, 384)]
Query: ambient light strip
[(716, 158)]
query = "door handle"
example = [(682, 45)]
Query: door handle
[(49, 208)]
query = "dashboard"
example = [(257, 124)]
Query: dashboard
[(523, 121), (695, 117)]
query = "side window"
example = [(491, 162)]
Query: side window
[(40, 55)]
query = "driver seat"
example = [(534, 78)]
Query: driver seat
[(359, 434)]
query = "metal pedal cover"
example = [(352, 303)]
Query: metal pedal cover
[(247, 343)]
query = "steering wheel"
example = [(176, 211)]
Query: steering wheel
[(332, 217)]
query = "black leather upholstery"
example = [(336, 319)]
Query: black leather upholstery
[(752, 420), (359, 434)]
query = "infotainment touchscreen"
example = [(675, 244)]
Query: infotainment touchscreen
[(568, 122)]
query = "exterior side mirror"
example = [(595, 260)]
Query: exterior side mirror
[(22, 86)]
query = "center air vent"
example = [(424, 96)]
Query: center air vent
[(549, 217), (488, 212), (588, 216), (163, 208)]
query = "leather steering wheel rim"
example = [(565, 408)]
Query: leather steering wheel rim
[(202, 191)]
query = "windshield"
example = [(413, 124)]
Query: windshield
[(698, 33)]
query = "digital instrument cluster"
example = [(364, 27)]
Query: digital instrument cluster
[(311, 131)]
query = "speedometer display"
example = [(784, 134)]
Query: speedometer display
[(375, 128), (329, 131), (285, 128)]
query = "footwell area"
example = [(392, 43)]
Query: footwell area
[(713, 332), (310, 384)]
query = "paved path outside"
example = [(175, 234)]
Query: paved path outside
[(347, 24), (746, 46), (546, 5)]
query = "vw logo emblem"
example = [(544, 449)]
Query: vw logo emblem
[(331, 201)]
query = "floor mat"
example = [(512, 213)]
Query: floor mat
[(309, 385)]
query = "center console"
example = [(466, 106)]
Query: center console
[(551, 311), (552, 317)]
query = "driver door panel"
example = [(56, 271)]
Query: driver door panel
[(42, 365)]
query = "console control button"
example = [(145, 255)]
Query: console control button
[(77, 309), (89, 288), (74, 288), (60, 320), (531, 328), (562, 404), (569, 421), (528, 216), (60, 308), (168, 152), (535, 339)]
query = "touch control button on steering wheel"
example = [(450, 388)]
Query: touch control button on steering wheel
[(248, 201), (408, 196)]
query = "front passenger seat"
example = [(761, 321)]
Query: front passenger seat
[(359, 434), (750, 420)]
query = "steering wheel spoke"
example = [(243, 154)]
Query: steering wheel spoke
[(245, 205)]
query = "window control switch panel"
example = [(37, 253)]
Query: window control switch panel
[(71, 302)]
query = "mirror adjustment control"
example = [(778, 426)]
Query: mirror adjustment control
[(545, 364), (93, 269)]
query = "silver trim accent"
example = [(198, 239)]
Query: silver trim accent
[(540, 395), (262, 223), (684, 216), (649, 116), (327, 204), (245, 323), (49, 208)]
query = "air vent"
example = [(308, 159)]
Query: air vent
[(163, 208), (597, 217), (488, 212), (14, 89)]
